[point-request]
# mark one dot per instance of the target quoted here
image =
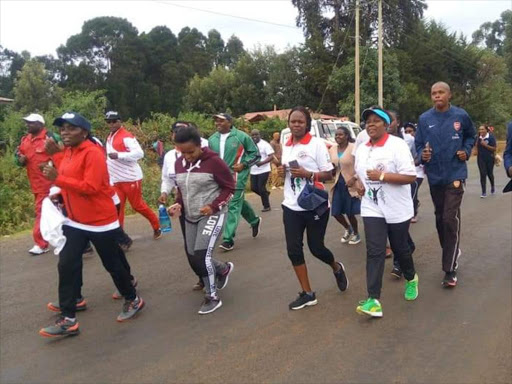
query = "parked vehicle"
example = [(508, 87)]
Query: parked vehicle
[(325, 129)]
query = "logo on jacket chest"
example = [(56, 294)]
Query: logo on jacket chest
[(456, 126)]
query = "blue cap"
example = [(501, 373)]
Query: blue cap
[(73, 118), (377, 111)]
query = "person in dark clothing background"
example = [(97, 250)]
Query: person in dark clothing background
[(486, 147)]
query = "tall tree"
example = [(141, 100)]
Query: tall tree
[(215, 47), (233, 51)]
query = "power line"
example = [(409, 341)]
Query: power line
[(225, 14)]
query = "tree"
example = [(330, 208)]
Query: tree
[(10, 63), (233, 51), (33, 91), (215, 47)]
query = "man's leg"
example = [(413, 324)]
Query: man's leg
[(438, 195), (451, 225), (139, 205), (36, 232), (262, 186), (120, 189), (233, 216)]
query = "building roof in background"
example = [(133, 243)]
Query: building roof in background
[(282, 114), (5, 100)]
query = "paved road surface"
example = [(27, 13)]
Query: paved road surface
[(446, 336)]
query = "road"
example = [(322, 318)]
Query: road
[(461, 335)]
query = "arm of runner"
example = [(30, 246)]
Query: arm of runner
[(135, 151), (224, 179)]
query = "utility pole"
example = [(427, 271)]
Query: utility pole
[(357, 90), (380, 87)]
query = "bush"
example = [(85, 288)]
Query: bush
[(16, 199)]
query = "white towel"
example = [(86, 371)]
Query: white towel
[(51, 225)]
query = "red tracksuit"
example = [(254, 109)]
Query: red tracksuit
[(126, 174), (32, 147)]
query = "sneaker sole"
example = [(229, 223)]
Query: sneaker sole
[(354, 242), (308, 304), (396, 276), (38, 254), (343, 241), (142, 305), (232, 267), (345, 272), (226, 248), (52, 336), (259, 228), (411, 299), (449, 285), (368, 313), (211, 310)]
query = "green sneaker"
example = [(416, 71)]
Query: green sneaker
[(370, 307), (411, 288)]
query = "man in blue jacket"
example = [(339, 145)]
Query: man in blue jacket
[(507, 154), (445, 137)]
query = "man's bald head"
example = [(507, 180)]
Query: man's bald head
[(441, 95), (441, 84)]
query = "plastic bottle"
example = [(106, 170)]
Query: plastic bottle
[(165, 220)]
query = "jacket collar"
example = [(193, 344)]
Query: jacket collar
[(379, 143), (305, 139)]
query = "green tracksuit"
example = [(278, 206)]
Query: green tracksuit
[(239, 148)]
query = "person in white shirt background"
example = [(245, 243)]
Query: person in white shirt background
[(410, 129), (386, 168), (169, 185), (261, 170), (305, 159)]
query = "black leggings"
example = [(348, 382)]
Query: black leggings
[(259, 187), (295, 223), (486, 168), (415, 189), (70, 265)]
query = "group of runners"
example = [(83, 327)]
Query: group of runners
[(376, 176)]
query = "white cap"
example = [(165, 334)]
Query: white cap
[(34, 117)]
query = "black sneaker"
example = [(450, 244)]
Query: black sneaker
[(222, 280), (62, 327), (227, 246), (304, 300), (267, 209), (256, 228), (450, 279), (209, 305), (396, 273), (81, 305), (130, 309), (341, 277)]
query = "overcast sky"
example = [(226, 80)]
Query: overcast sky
[(41, 26)]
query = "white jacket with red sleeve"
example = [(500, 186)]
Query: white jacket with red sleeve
[(125, 168)]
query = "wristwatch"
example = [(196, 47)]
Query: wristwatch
[(381, 177)]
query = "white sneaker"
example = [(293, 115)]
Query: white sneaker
[(37, 250), (346, 237), (274, 187)]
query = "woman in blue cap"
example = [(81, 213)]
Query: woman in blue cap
[(385, 167), (82, 175)]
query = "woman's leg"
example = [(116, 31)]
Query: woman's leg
[(400, 243), (490, 172), (315, 230), (294, 227), (353, 222), (483, 175), (341, 219), (376, 233)]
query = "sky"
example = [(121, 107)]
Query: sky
[(40, 26)]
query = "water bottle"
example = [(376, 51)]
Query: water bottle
[(165, 220)]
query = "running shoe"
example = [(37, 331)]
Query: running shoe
[(370, 307), (347, 236), (62, 327), (355, 239), (304, 300), (256, 228), (274, 187), (222, 280), (493, 191), (396, 273), (450, 279), (81, 305), (227, 246), (341, 277), (199, 286), (36, 250), (483, 195), (210, 304), (411, 288), (130, 309), (157, 233), (267, 209), (117, 295)]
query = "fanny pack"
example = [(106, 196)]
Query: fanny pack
[(313, 199)]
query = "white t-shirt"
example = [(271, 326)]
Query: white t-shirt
[(392, 202), (266, 150), (223, 138), (362, 137), (168, 168), (311, 154)]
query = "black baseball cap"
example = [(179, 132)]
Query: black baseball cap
[(73, 118), (112, 115), (223, 116)]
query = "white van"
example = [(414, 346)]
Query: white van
[(325, 129)]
